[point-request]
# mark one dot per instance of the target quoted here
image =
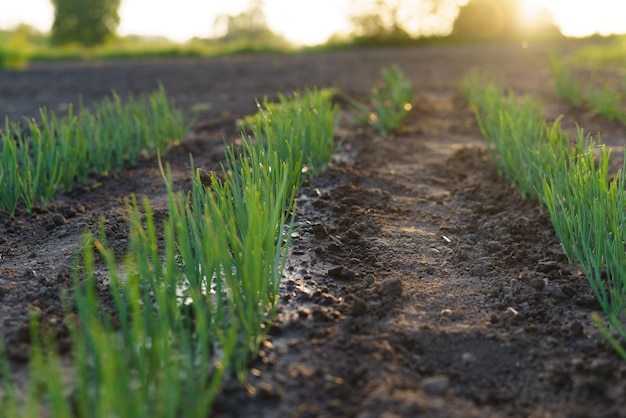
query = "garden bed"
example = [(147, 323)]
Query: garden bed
[(420, 283)]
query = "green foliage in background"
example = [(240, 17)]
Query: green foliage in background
[(15, 48), (486, 19), (85, 22), (607, 99), (389, 101), (564, 82), (601, 52), (17, 56), (497, 20), (248, 30), (380, 23)]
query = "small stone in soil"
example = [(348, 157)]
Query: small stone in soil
[(436, 385), (554, 291), (537, 283), (58, 219), (587, 301), (341, 273), (333, 248), (478, 271), (268, 392), (547, 266), (468, 358), (359, 306), (322, 314), (319, 230), (391, 287), (304, 313)]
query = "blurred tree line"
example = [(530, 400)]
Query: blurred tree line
[(86, 22), (488, 20), (402, 21), (249, 27), (399, 21), (93, 22)]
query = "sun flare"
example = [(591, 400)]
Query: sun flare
[(313, 22), (530, 11), (578, 18), (307, 23)]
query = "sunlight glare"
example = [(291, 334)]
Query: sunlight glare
[(37, 13), (178, 20), (307, 23), (580, 18), (530, 11)]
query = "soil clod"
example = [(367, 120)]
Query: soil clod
[(391, 287)]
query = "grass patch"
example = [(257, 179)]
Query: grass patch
[(192, 307), (572, 180), (607, 53), (18, 49), (564, 82), (39, 159), (607, 100), (309, 132), (388, 102)]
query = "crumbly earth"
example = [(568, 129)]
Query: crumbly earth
[(420, 283)]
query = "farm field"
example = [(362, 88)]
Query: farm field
[(420, 282)]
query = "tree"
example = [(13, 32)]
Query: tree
[(250, 23), (401, 20), (87, 22), (249, 27), (380, 21), (487, 19), (499, 19)]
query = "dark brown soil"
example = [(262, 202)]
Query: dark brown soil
[(421, 283)]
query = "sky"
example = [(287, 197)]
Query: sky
[(301, 21), (583, 17)]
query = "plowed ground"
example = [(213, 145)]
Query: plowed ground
[(421, 283)]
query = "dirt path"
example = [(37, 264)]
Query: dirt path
[(421, 284)]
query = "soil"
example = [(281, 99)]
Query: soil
[(420, 284)]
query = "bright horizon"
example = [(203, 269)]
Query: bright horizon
[(302, 22), (299, 21)]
